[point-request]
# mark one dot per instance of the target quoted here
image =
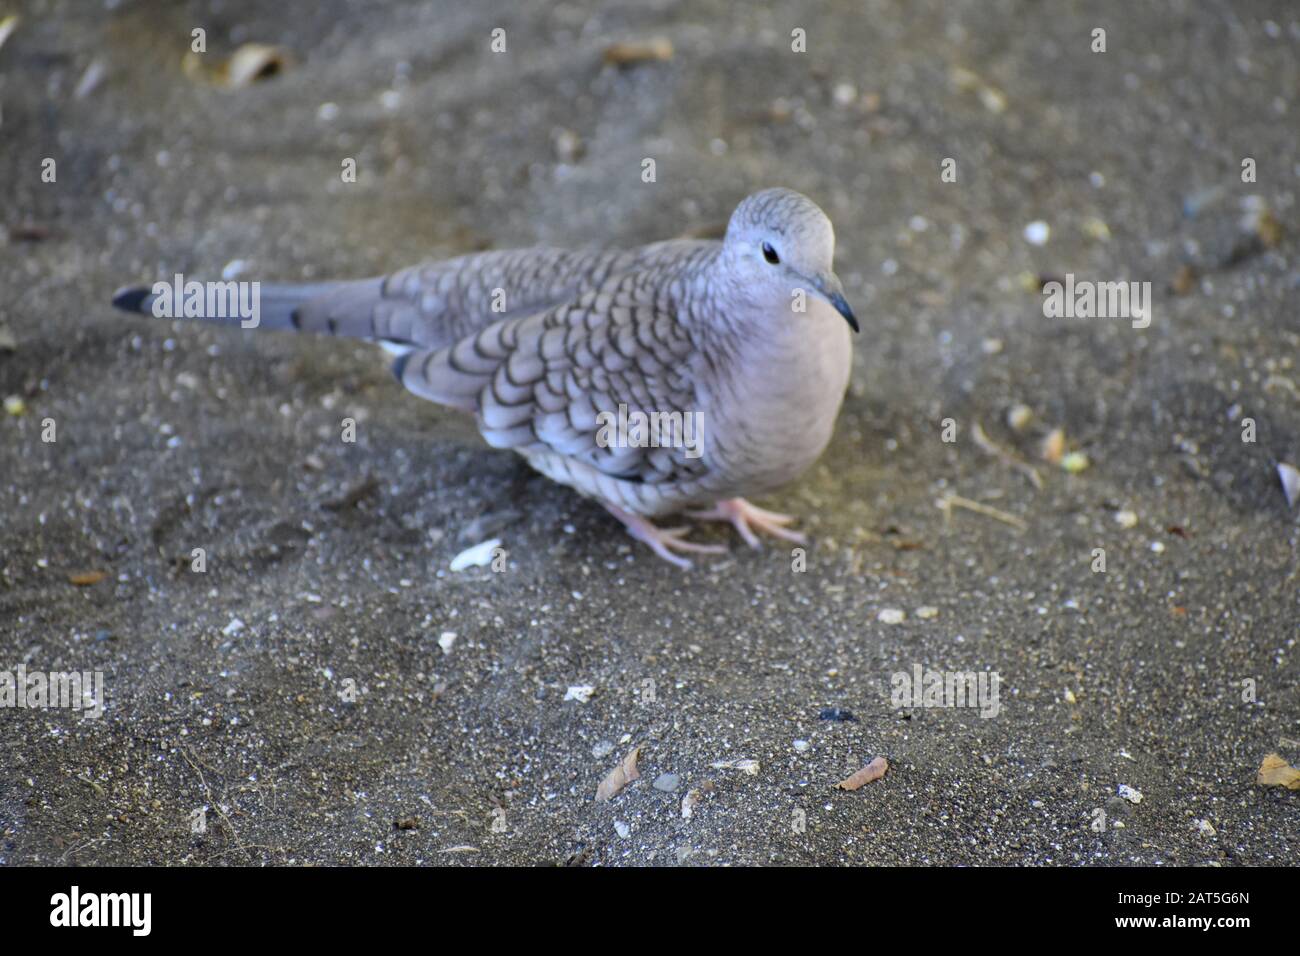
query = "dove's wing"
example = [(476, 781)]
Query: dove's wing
[(438, 303), (540, 384)]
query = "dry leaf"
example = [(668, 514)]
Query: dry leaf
[(255, 61), (248, 64), (871, 772), (84, 579), (1054, 446), (1276, 772), (626, 54), (619, 777)]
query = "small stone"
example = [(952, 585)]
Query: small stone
[(446, 640), (622, 829), (1019, 417), (1288, 474), (15, 405), (602, 749), (580, 692), (1094, 228), (1131, 794), (234, 627), (1126, 519), (801, 746), (926, 612), (891, 615), (667, 782), (1075, 462), (1037, 233), (568, 146)]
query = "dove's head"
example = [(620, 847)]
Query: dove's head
[(780, 241)]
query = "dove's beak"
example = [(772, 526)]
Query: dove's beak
[(828, 284)]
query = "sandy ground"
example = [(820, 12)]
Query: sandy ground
[(298, 694)]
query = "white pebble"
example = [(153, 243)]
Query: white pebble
[(1037, 233), (580, 692)]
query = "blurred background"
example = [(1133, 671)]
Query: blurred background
[(329, 561)]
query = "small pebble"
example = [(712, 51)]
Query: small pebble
[(1126, 519), (667, 782), (1019, 417), (1037, 233), (579, 692), (926, 612), (1075, 462), (622, 829), (838, 714), (891, 615)]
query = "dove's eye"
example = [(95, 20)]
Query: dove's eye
[(770, 254)]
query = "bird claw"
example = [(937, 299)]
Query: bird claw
[(747, 519), (663, 541)]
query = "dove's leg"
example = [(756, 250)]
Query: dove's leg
[(749, 518), (662, 541)]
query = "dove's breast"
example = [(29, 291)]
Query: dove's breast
[(773, 413)]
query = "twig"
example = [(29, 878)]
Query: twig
[(987, 445), (957, 501)]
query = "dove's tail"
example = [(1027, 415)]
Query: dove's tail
[(330, 308)]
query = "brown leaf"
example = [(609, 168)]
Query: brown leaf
[(868, 774), (619, 777), (626, 54), (1276, 772), (1054, 446), (84, 579), (1184, 280)]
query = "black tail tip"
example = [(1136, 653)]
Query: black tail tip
[(131, 298)]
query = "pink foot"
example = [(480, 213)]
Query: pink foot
[(747, 519), (663, 541)]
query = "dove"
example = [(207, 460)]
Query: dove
[(684, 376)]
